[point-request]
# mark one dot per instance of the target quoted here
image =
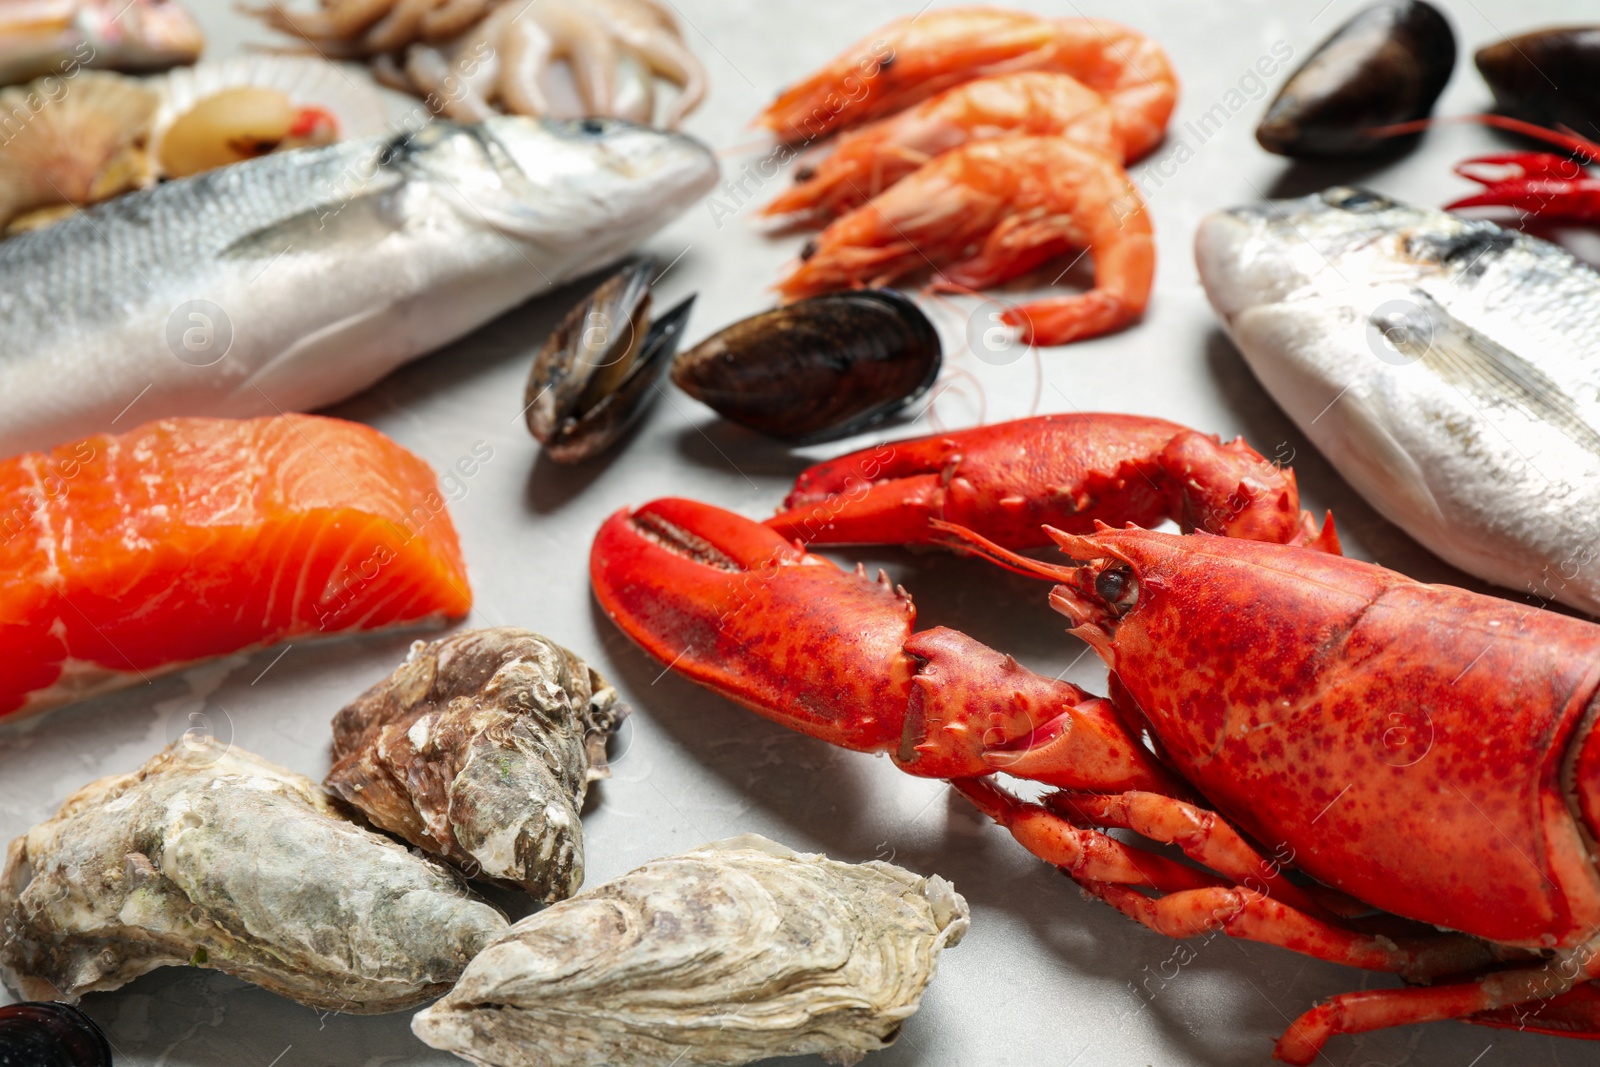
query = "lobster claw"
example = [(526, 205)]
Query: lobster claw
[(734, 606), (730, 604), (1010, 480)]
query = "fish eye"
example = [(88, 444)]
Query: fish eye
[(1118, 588), (594, 126), (1359, 200)]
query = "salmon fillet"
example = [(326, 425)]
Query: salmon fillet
[(124, 556)]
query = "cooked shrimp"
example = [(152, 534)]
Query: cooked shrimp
[(993, 210), (869, 160), (911, 59)]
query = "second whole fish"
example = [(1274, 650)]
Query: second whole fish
[(291, 282), (1448, 368), (39, 37)]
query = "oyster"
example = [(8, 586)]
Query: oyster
[(50, 1035), (822, 367), (213, 857), (732, 952), (1386, 65), (598, 371), (478, 749)]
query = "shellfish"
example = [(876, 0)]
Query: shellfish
[(479, 749), (1546, 77), (211, 857), (729, 953), (227, 111), (1386, 65), (50, 1034), (827, 366), (70, 144), (598, 371)]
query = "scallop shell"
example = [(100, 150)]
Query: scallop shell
[(72, 140), (347, 94)]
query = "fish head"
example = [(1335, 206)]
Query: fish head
[(1262, 253), (156, 34), (590, 184)]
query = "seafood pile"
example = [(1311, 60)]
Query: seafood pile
[(1366, 770), (469, 58), (185, 539), (985, 143), (729, 953), (478, 750), (294, 281)]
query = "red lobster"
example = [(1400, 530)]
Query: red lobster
[(1429, 756)]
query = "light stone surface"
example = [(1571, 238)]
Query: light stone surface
[(1044, 977)]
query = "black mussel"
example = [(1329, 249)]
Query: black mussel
[(818, 368), (598, 371), (1386, 65), (48, 1034), (1549, 77)]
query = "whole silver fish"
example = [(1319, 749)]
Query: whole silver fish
[(1450, 370), (293, 281), (39, 37)]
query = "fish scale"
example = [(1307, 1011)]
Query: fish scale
[(1476, 426), (293, 281)]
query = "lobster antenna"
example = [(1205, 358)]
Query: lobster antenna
[(959, 537), (1562, 138)]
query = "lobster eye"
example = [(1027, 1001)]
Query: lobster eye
[(1118, 588)]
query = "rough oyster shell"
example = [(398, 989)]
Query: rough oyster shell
[(213, 857), (479, 749), (732, 952)]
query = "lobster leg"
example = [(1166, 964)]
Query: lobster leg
[(1009, 480), (1539, 184), (1087, 856), (1575, 1013), (1246, 913), (1204, 837), (1375, 1009)]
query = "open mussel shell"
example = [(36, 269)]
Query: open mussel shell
[(1386, 65), (49, 1034), (818, 368), (598, 371), (1549, 77)]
